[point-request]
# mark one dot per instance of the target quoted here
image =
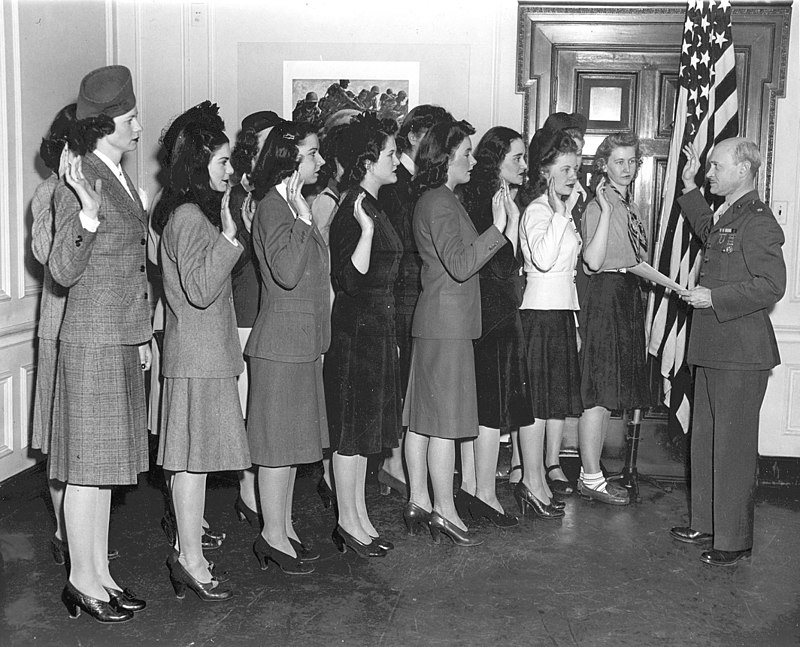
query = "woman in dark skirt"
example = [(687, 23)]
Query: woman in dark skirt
[(201, 426), (362, 378), (99, 430), (613, 368), (440, 405), (500, 369), (286, 422), (550, 243)]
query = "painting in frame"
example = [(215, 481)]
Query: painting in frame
[(314, 90)]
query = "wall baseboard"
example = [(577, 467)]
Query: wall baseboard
[(778, 470)]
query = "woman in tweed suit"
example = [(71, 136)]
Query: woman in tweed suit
[(286, 422), (201, 417), (99, 418)]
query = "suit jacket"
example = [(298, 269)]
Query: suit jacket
[(293, 323), (200, 336), (744, 269), (106, 270), (54, 296), (452, 252)]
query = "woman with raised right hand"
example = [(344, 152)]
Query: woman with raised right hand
[(287, 423)]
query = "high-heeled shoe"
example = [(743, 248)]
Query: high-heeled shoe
[(304, 552), (181, 579), (480, 509), (344, 540), (209, 542), (462, 500), (288, 564), (441, 526), (125, 600), (389, 483), (246, 513), (558, 504), (221, 577), (59, 550), (414, 516), (75, 601), (382, 543), (526, 499), (325, 492), (217, 535)]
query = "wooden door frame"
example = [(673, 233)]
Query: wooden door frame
[(758, 29)]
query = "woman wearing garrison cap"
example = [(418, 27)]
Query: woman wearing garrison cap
[(99, 416)]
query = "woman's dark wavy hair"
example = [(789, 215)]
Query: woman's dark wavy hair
[(420, 118), (607, 146), (489, 155), (205, 113), (279, 157), (362, 141), (86, 132), (435, 152), (188, 181), (545, 147), (329, 149), (59, 134)]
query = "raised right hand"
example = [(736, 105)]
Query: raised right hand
[(554, 200), (499, 215), (295, 192), (602, 199), (691, 167), (89, 197), (227, 221)]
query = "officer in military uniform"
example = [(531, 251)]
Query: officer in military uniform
[(731, 346)]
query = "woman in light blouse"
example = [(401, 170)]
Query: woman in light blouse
[(550, 243)]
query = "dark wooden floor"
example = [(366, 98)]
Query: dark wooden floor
[(602, 576)]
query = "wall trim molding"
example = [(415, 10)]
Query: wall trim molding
[(16, 59), (5, 200), (19, 334)]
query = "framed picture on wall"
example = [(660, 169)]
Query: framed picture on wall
[(608, 100), (316, 90)]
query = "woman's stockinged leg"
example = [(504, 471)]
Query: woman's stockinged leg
[(531, 441), (188, 500), (247, 488), (103, 516), (487, 448), (441, 462), (360, 498), (273, 488), (591, 428), (80, 516), (416, 449), (345, 474), (554, 434), (469, 478)]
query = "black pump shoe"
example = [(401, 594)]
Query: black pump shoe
[(75, 601), (344, 540), (125, 600), (304, 553), (181, 580), (463, 500), (480, 509), (380, 542), (246, 513), (414, 516), (526, 499), (288, 564), (441, 526)]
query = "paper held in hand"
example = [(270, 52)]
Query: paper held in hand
[(650, 273)]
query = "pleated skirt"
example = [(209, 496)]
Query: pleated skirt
[(441, 399), (613, 366), (501, 375), (99, 430), (362, 392), (202, 429), (553, 364), (286, 423), (46, 367)]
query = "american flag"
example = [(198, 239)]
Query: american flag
[(705, 113)]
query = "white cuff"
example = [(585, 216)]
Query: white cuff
[(89, 224)]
